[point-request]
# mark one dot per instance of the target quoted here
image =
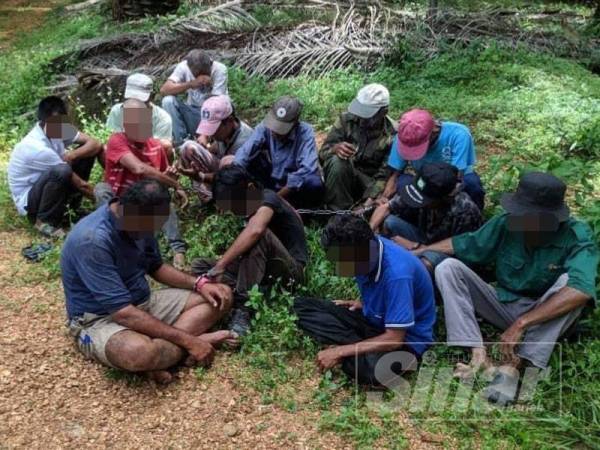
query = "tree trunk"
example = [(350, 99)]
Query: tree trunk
[(432, 10)]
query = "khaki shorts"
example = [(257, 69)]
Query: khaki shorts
[(92, 332)]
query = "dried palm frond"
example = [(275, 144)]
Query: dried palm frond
[(225, 17)]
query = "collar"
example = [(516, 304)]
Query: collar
[(112, 219), (378, 273)]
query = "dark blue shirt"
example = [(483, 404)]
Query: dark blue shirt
[(292, 161), (399, 294), (103, 269)]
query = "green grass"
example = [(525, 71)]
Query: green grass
[(525, 111)]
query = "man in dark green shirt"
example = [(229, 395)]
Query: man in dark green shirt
[(546, 264), (354, 154)]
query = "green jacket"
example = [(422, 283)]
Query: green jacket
[(373, 148)]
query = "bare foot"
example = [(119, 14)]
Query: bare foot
[(159, 376), (220, 337), (479, 361)]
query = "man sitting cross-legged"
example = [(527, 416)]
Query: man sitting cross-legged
[(397, 311), (271, 246), (112, 313), (431, 208), (546, 264)]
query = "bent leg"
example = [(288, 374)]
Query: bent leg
[(340, 183), (103, 193), (172, 233), (395, 226), (47, 198)]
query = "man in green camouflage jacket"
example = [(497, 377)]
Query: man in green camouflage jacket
[(354, 155)]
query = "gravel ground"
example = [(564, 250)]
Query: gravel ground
[(51, 397)]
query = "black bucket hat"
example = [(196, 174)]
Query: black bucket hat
[(538, 192)]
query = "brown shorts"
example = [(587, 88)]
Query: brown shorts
[(92, 332)]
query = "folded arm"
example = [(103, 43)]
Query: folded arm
[(88, 148)]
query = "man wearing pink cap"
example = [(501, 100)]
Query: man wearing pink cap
[(200, 159), (422, 139)]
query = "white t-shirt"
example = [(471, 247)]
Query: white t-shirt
[(31, 157), (218, 74)]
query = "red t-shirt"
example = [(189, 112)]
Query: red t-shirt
[(118, 145)]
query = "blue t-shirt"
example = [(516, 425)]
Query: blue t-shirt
[(454, 146), (103, 269), (400, 295)]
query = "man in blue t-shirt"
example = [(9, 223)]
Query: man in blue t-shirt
[(421, 139), (396, 314)]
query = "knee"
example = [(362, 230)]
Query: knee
[(338, 166), (446, 268), (134, 355), (62, 172), (312, 183), (169, 101), (226, 161)]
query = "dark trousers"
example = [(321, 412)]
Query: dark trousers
[(50, 195), (345, 185), (331, 324), (471, 184), (264, 263)]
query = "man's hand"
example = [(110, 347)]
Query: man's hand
[(284, 192), (68, 157), (217, 294), (182, 197), (201, 351), (204, 141), (188, 172), (344, 150), (406, 243), (352, 305), (327, 359), (381, 200), (172, 172), (509, 339), (201, 81)]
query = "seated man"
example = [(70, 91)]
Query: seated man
[(200, 77), (139, 87), (433, 207), (397, 311), (354, 155), (546, 264), (134, 155), (113, 316), (282, 155), (201, 159), (43, 177), (422, 139), (272, 245)]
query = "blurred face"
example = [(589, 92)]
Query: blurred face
[(241, 201), (137, 122), (376, 121), (352, 260), (537, 228), (59, 127), (225, 130), (141, 223)]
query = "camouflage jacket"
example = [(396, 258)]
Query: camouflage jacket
[(372, 148)]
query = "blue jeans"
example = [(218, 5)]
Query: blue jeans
[(185, 118), (471, 184), (396, 226)]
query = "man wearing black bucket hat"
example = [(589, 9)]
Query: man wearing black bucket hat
[(431, 208), (282, 155), (546, 263)]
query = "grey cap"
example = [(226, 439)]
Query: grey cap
[(284, 114), (139, 86)]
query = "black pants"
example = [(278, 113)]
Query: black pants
[(331, 324), (48, 198)]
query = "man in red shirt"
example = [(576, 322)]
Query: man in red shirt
[(134, 155)]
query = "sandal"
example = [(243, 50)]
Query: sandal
[(502, 391), (49, 231)]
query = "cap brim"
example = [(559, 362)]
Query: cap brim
[(413, 198), (277, 126), (208, 128), (512, 205), (137, 94), (361, 110), (412, 153)]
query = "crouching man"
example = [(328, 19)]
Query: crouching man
[(112, 313), (397, 310), (546, 266)]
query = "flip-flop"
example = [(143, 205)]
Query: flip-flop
[(502, 390), (36, 252)]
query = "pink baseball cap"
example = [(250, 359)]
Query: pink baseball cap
[(414, 131), (214, 111)]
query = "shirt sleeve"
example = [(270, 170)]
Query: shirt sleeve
[(335, 136), (116, 148), (399, 309), (44, 160), (395, 161), (114, 121), (219, 79), (306, 158), (582, 263), (463, 150), (481, 246), (255, 142), (178, 75), (98, 271), (163, 126)]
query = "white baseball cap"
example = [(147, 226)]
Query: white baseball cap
[(370, 99), (139, 86)]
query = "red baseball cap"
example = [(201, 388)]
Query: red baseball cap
[(414, 132)]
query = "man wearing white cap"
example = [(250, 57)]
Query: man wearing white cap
[(219, 124), (139, 87), (354, 155)]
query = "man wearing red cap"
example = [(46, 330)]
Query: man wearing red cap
[(423, 139)]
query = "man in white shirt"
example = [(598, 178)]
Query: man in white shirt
[(42, 176), (200, 77)]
